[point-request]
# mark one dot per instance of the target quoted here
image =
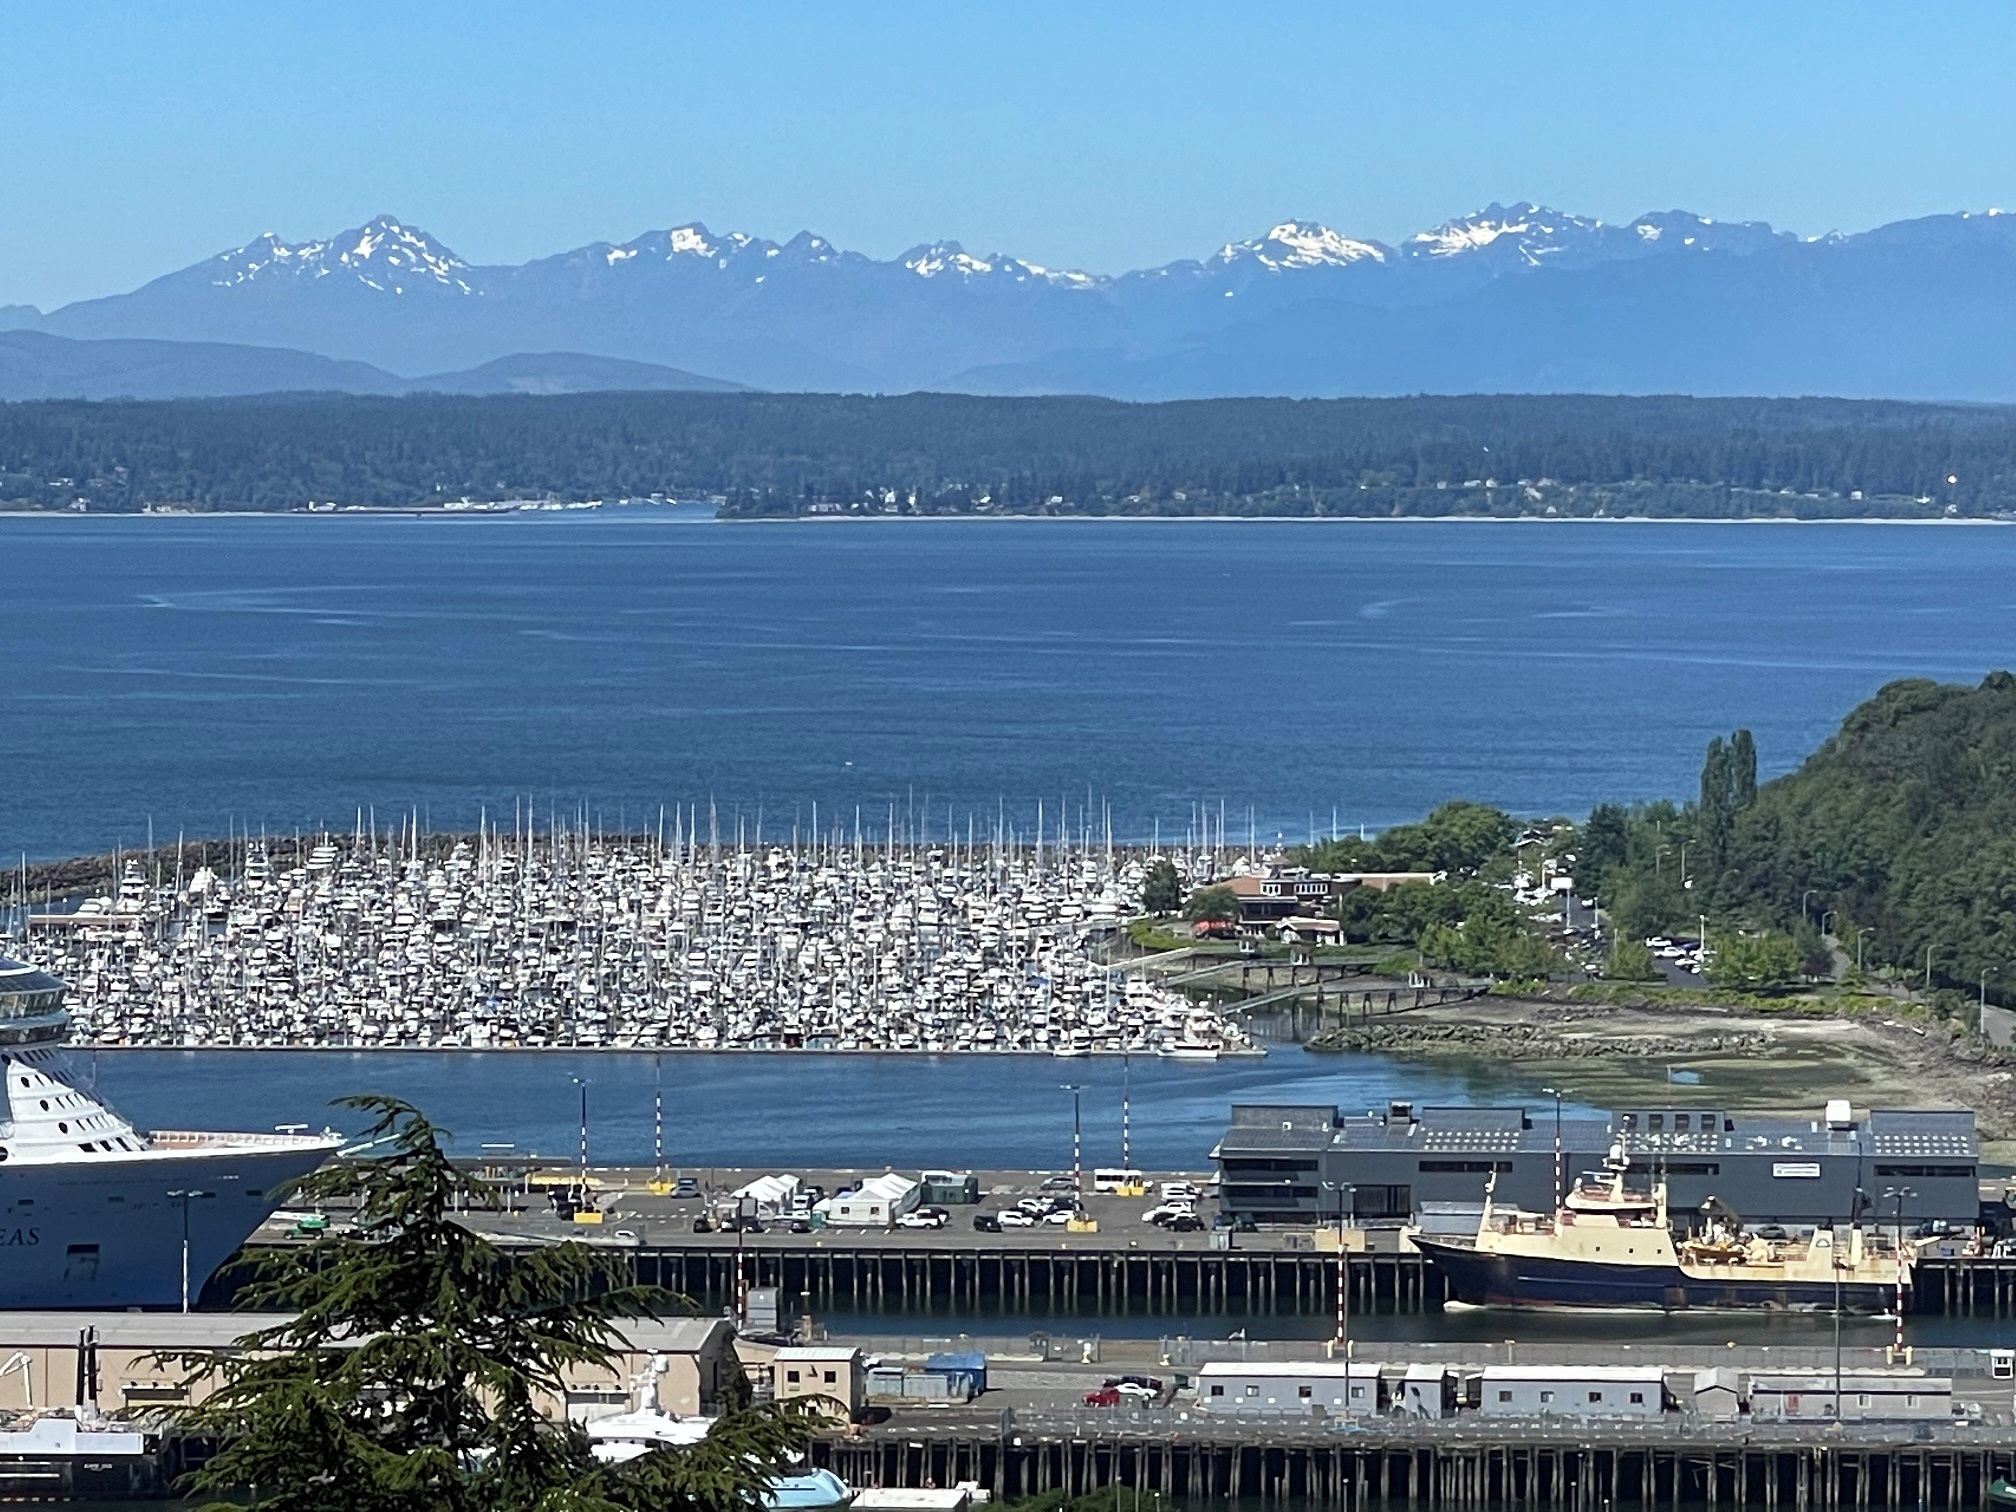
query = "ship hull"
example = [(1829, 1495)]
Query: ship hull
[(108, 1236), (1486, 1279)]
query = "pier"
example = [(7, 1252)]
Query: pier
[(1043, 1273), (1426, 1465)]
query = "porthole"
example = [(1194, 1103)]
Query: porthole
[(45, 1105), (62, 1128)]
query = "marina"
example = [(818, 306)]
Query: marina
[(942, 941)]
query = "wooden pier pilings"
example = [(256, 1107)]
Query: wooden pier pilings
[(1389, 1468), (1122, 1280), (1118, 1281)]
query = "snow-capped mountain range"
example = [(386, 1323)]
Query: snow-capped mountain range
[(1511, 298)]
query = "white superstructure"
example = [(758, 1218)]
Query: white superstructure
[(93, 1211)]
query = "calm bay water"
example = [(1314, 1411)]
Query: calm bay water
[(201, 673), (780, 1109)]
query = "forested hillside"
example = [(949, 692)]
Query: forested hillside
[(1904, 823), (772, 454)]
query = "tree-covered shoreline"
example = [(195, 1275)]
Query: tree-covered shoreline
[(792, 455)]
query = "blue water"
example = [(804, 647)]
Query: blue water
[(794, 1110), (205, 673)]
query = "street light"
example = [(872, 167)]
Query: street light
[(185, 1196), (582, 1195), (1860, 931), (1823, 921), (1077, 1148), (1897, 1195), (1560, 1191), (1802, 902), (1347, 1195), (1928, 966)]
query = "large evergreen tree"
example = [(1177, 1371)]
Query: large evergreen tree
[(407, 1377)]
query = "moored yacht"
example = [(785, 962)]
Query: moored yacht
[(92, 1211)]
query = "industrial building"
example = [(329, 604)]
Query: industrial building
[(1291, 1386), (1310, 1164), (1637, 1391), (1853, 1396)]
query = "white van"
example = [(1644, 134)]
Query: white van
[(1112, 1178)]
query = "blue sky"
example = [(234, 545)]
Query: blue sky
[(139, 138)]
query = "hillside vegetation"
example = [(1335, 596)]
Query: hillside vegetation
[(1904, 823), (787, 454)]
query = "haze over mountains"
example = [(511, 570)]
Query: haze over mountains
[(1510, 299)]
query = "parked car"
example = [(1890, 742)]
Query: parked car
[(1060, 1216), (1142, 1385), (1184, 1223), (798, 1225), (1035, 1207), (1177, 1191), (1163, 1212), (702, 1224), (1105, 1396), (685, 1187), (1062, 1182), (923, 1218), (1016, 1218), (986, 1223)]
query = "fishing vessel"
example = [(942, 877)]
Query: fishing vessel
[(1606, 1246), (93, 1212)]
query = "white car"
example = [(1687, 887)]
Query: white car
[(1170, 1210), (1180, 1191), (1133, 1389), (919, 1220), (1061, 1216), (1016, 1218)]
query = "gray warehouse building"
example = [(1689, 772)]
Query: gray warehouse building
[(1302, 1164)]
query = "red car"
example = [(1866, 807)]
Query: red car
[(1105, 1396)]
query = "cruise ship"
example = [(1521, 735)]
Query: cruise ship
[(92, 1211)]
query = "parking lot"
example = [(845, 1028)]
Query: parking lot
[(631, 1213)]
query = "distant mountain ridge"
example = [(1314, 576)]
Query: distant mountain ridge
[(37, 365), (1512, 298)]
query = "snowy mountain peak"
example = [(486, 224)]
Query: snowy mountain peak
[(695, 240), (949, 257), (382, 254), (1302, 244), (1533, 230)]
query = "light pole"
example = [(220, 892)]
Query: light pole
[(1860, 931), (1559, 1191), (1347, 1192), (1981, 1011), (1126, 1111), (1830, 913), (581, 1197), (185, 1196), (1897, 1195), (1928, 966), (1077, 1149), (1803, 913)]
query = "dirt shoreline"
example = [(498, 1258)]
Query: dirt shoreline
[(1611, 1053)]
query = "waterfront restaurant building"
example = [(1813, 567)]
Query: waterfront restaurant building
[(1313, 1164)]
